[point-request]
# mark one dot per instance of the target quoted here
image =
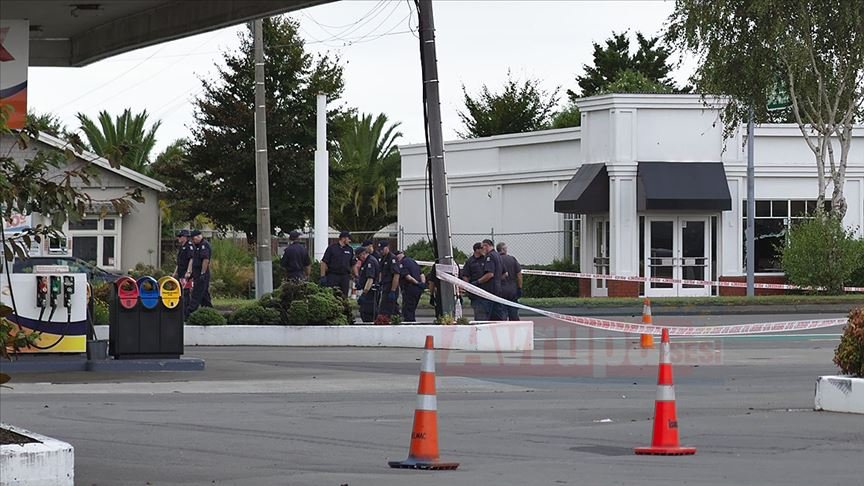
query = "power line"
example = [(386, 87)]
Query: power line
[(106, 83), (157, 73)]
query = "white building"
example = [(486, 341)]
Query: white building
[(647, 186)]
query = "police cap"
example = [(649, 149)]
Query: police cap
[(183, 232)]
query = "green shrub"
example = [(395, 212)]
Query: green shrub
[(102, 292), (254, 315), (298, 313), (540, 286), (857, 277), (820, 252), (422, 250), (307, 303), (849, 355), (100, 313), (232, 270), (142, 270), (206, 316)]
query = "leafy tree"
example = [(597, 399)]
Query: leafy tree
[(216, 178), (169, 166), (814, 50), (519, 107), (630, 81), (613, 59), (366, 165), (45, 122), (50, 182), (568, 117), (123, 140)]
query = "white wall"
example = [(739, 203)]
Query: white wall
[(509, 182), (504, 184)]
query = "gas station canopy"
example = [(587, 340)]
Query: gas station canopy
[(70, 33)]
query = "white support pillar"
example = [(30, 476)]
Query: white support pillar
[(322, 180), (623, 221)]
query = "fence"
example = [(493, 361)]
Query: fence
[(530, 247)]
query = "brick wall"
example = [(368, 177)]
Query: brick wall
[(742, 291), (621, 288)]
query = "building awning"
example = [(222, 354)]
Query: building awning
[(683, 186), (586, 193)]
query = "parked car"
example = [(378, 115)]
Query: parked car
[(95, 275)]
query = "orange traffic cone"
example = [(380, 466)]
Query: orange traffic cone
[(423, 451), (647, 340), (664, 440)]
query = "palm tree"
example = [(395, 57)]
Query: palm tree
[(366, 165), (124, 141)]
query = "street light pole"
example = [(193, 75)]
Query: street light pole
[(263, 258), (751, 210)]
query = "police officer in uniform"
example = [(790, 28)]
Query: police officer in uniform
[(389, 281), (493, 272), (511, 285), (184, 255), (183, 272), (472, 271), (336, 264), (295, 259), (367, 285), (200, 272), (412, 282)]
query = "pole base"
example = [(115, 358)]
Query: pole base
[(665, 451), (433, 465)]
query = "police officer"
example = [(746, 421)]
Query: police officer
[(200, 272), (493, 272), (367, 285), (472, 271), (184, 255), (295, 259), (412, 283), (389, 280), (336, 264), (511, 284)]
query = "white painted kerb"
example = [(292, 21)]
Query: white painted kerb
[(840, 394), (49, 462), (493, 336)]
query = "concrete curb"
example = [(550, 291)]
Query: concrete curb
[(840, 394), (477, 336), (48, 461)]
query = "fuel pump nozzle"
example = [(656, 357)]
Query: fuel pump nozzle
[(68, 290)]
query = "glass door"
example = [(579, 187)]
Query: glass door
[(661, 252), (677, 248), (693, 261), (600, 287)]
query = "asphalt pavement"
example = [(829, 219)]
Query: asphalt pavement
[(569, 412)]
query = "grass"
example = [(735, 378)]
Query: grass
[(231, 303)]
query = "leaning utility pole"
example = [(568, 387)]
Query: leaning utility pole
[(263, 258), (435, 148)]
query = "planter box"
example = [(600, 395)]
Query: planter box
[(840, 394), (493, 336), (48, 461)]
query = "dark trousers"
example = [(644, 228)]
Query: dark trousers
[(512, 312), (340, 281), (386, 306), (200, 293), (479, 306), (494, 311), (368, 304), (410, 298)]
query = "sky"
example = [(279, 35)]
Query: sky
[(478, 42)]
